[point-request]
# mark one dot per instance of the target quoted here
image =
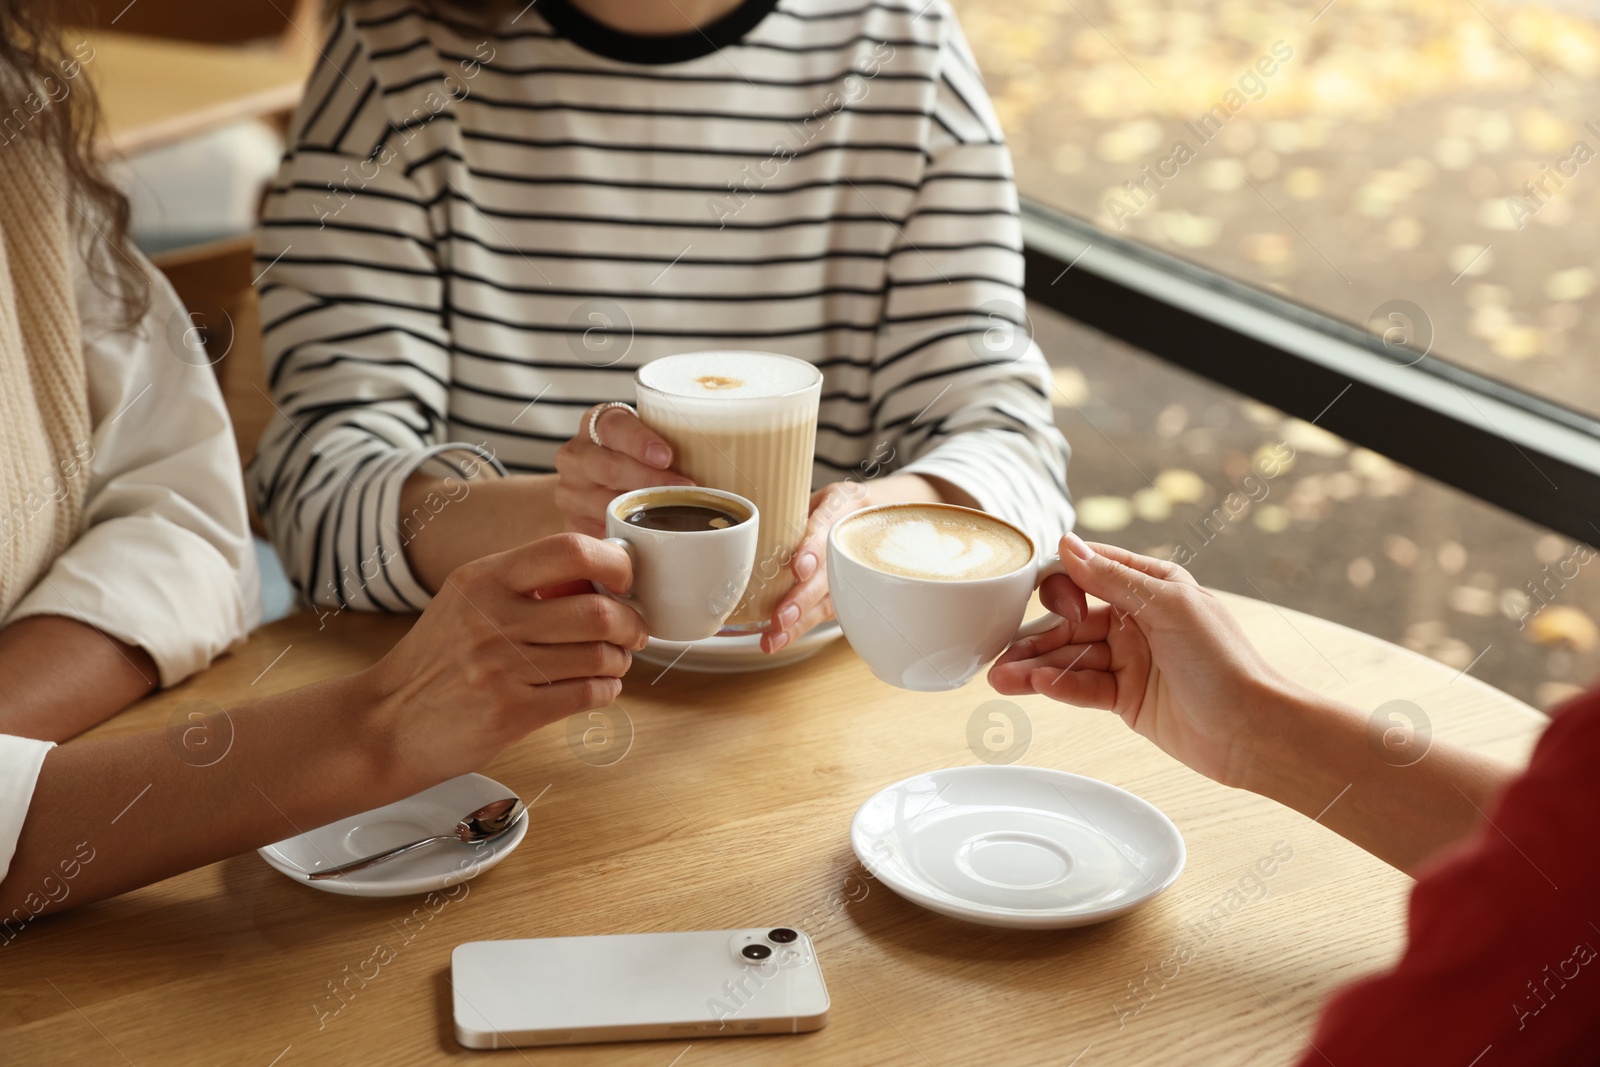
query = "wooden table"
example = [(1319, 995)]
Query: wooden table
[(157, 92), (731, 809)]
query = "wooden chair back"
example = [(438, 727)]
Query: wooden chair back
[(294, 23)]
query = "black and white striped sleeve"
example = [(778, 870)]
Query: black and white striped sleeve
[(356, 344), (959, 389)]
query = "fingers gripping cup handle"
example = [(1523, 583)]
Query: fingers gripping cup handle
[(675, 572), (1049, 620), (633, 562)]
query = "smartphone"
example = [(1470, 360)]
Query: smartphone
[(637, 987)]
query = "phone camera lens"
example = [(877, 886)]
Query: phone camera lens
[(755, 952), (783, 936)]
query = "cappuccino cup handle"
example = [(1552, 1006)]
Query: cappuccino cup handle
[(633, 560), (1049, 620)]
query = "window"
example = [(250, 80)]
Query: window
[(1375, 223), (1428, 170), (1342, 533)]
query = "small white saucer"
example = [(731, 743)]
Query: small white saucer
[(432, 811), (1022, 847), (736, 654)]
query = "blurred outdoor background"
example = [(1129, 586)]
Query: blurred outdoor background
[(1384, 159)]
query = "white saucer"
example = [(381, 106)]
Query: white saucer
[(1023, 847), (737, 654), (432, 811)]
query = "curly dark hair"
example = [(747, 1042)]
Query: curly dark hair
[(45, 94)]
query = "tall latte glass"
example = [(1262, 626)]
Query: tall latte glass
[(745, 423)]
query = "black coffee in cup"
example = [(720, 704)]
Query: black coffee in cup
[(682, 518)]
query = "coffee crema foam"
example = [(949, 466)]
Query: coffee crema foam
[(935, 543)]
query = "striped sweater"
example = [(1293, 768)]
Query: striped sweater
[(474, 237)]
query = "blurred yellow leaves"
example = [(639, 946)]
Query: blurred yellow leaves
[(1574, 284), (1222, 175), (1404, 233), (1181, 486), (1422, 146), (1360, 61), (1071, 387), (1518, 343), (1152, 505), (1471, 260), (1544, 132), (1271, 518), (1270, 250), (1304, 183), (1561, 624), (1129, 141), (1306, 437), (1187, 230), (1104, 514)]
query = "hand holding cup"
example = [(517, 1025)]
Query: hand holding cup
[(613, 452), (1161, 652), (512, 642)]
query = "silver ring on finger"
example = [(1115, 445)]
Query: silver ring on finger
[(594, 418)]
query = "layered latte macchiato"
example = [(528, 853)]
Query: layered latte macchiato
[(934, 542), (746, 423)]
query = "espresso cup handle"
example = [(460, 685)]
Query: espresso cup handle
[(632, 560), (1049, 620)]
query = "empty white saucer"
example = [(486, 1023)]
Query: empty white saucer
[(1014, 846), (432, 811), (737, 654)]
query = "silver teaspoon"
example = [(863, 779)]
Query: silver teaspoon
[(478, 828)]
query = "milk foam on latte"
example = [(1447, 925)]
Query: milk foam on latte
[(936, 543), (726, 376)]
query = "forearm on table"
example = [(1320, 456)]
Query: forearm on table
[(1317, 756), (59, 676), (110, 815), (492, 515)]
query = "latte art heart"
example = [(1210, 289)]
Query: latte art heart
[(922, 546), (934, 542)]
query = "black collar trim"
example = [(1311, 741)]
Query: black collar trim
[(595, 36)]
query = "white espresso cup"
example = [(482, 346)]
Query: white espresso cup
[(685, 582), (932, 633)]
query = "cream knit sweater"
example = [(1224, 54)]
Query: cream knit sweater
[(44, 401)]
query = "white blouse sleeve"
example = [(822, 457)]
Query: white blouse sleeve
[(20, 760), (165, 559)]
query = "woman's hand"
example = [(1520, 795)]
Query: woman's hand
[(807, 604), (512, 642), (590, 476), (1162, 653), (1169, 658)]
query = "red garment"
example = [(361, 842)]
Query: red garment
[(1502, 961)]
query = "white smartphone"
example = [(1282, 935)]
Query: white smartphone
[(637, 987)]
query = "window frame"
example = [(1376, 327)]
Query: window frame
[(1508, 447)]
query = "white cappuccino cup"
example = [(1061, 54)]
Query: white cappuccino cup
[(927, 594)]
